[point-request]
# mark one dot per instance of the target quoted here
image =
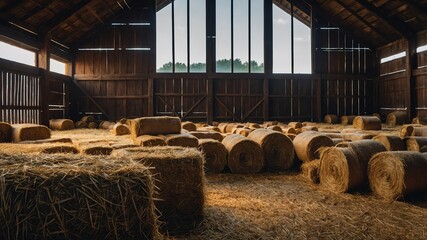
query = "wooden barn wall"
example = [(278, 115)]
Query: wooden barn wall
[(420, 75)]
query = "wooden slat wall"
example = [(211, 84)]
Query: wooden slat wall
[(421, 77), (59, 97)]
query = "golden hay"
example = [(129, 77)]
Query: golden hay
[(81, 124), (396, 175), (207, 135), (391, 143), (252, 125), (201, 125), (347, 119), (123, 120), (291, 136), (275, 128), (396, 118), (356, 136), (295, 125), (222, 127), (266, 124), (149, 141), (278, 149), (49, 140), (180, 182), (189, 126), (231, 127), (290, 130), (215, 155), (420, 120), (75, 197), (181, 140), (208, 129), (413, 130), (92, 125), (88, 119), (345, 169), (5, 132), (24, 132), (95, 148), (331, 119), (310, 171), (332, 135), (415, 143), (61, 124), (307, 143), (244, 155), (123, 146), (155, 126), (309, 128), (120, 129), (106, 125), (18, 148), (242, 131), (367, 123)]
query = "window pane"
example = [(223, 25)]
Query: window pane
[(197, 36), (257, 36), (17, 54), (223, 36), (241, 36), (180, 35), (281, 41), (302, 47), (164, 39), (57, 66)]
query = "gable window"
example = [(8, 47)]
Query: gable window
[(17, 54)]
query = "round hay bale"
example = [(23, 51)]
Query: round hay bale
[(269, 123), (209, 129), (242, 131), (345, 169), (123, 120), (310, 171), (88, 119), (24, 132), (356, 136), (377, 115), (275, 128), (295, 125), (291, 136), (215, 155), (149, 141), (37, 148), (231, 127), (92, 125), (215, 124), (347, 119), (244, 155), (76, 197), (61, 124), (81, 124), (181, 140), (391, 143), (337, 140), (331, 119), (332, 135), (420, 120), (189, 126), (49, 140), (120, 129), (95, 148), (155, 126), (396, 118), (252, 125), (180, 181), (5, 132), (396, 175), (290, 130), (423, 149), (367, 123), (413, 130), (201, 125), (278, 149), (207, 135), (307, 143), (309, 128), (415, 143), (222, 127), (349, 130)]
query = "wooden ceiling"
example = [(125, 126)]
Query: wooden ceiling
[(376, 22)]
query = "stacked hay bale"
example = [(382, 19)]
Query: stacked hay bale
[(331, 119), (189, 126), (107, 125), (391, 143), (413, 130), (156, 126), (347, 119), (5, 132), (207, 135), (397, 175), (48, 148), (420, 120), (149, 141), (396, 118), (95, 147), (24, 132), (181, 140), (244, 155), (72, 196), (61, 124), (345, 169), (85, 121), (120, 129), (81, 124), (180, 180), (367, 123)]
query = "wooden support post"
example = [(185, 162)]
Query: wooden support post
[(411, 63), (43, 62), (266, 109), (150, 94), (268, 55), (209, 100)]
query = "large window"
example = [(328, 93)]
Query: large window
[(181, 37), (58, 66), (17, 54), (240, 36)]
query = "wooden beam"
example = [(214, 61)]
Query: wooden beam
[(95, 14), (35, 10), (43, 62), (417, 7), (397, 25), (411, 64), (60, 18), (11, 6)]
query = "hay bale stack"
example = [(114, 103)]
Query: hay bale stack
[(155, 126), (367, 123), (61, 124), (24, 132), (347, 119), (396, 175), (295, 125), (180, 182), (310, 171), (278, 149), (396, 118), (5, 132), (120, 129), (331, 118), (415, 143), (391, 143), (149, 141), (275, 128), (244, 155), (76, 197), (242, 131), (95, 148), (307, 143), (345, 169), (49, 148), (92, 125), (181, 140), (356, 136), (81, 124), (189, 126), (207, 135), (215, 155)]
